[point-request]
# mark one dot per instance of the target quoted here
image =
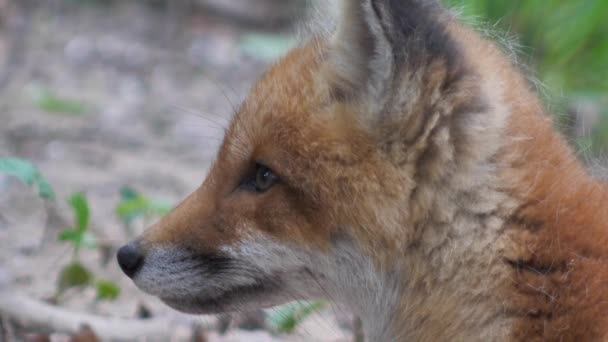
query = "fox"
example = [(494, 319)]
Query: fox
[(403, 166)]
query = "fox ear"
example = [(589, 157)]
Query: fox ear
[(360, 53), (376, 39)]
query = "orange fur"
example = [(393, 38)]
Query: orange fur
[(560, 282), (421, 183)]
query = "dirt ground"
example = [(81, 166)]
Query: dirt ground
[(157, 90)]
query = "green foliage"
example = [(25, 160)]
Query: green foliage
[(52, 103), (566, 40), (74, 275), (286, 318), (28, 174), (78, 238), (79, 235), (81, 208), (107, 290), (134, 205)]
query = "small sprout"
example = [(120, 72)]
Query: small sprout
[(107, 290), (134, 205), (127, 193), (28, 174), (81, 208), (79, 235), (52, 103), (78, 239), (287, 318), (74, 275)]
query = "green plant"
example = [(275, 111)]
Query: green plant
[(134, 205), (286, 318), (564, 42), (52, 103), (79, 235), (28, 174), (75, 274)]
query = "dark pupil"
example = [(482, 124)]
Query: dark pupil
[(264, 178)]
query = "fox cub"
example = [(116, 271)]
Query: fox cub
[(401, 166)]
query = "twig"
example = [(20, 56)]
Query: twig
[(34, 313)]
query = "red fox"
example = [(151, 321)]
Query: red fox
[(401, 166)]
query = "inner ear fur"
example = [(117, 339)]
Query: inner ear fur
[(377, 41), (401, 73)]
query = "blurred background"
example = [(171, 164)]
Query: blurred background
[(111, 112)]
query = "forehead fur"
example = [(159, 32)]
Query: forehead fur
[(290, 106), (356, 157), (318, 147)]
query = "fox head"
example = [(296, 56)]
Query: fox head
[(352, 161)]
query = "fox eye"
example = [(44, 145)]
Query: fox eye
[(263, 179)]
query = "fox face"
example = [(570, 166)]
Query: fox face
[(297, 179), (400, 166), (327, 173)]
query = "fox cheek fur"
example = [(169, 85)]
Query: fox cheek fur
[(400, 166)]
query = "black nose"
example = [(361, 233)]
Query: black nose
[(129, 259)]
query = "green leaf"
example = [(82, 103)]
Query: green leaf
[(107, 290), (74, 275), (71, 235), (44, 189), (78, 238), (131, 208), (128, 193), (52, 103), (28, 174), (81, 209), (134, 205), (286, 318)]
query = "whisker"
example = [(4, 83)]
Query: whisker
[(204, 115)]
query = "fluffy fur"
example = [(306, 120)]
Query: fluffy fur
[(421, 184)]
